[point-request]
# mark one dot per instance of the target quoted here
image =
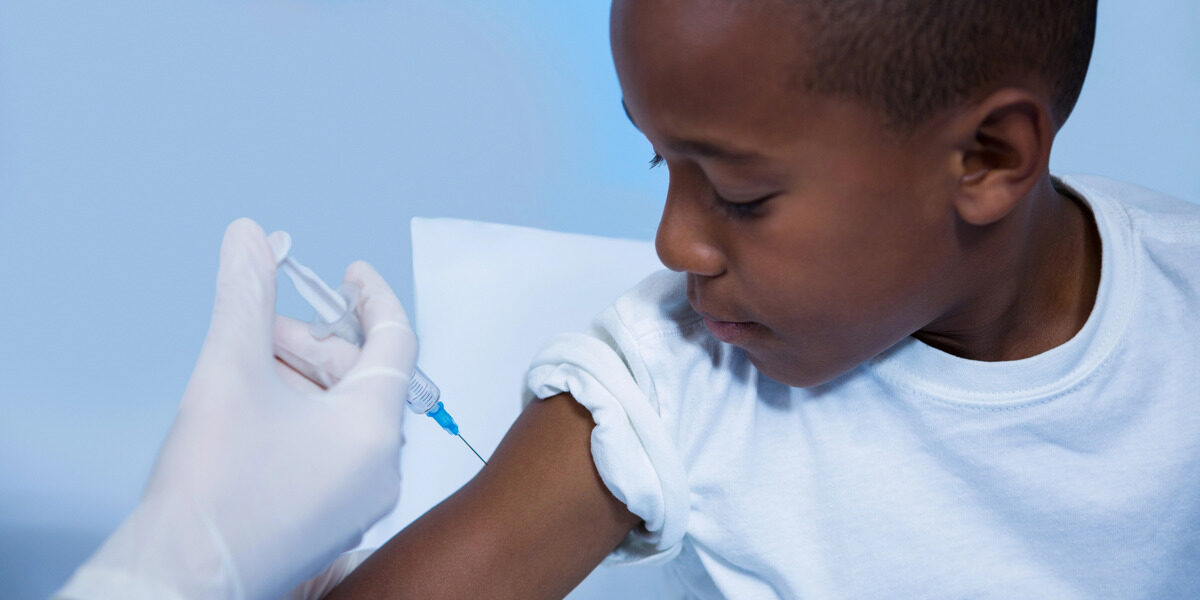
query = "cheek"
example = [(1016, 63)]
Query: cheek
[(841, 283)]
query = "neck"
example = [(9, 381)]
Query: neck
[(1034, 277)]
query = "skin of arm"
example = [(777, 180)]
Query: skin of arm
[(532, 524)]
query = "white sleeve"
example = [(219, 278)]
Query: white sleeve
[(635, 456)]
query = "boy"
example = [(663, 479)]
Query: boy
[(895, 357)]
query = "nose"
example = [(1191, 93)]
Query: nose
[(683, 242)]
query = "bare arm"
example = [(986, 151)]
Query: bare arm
[(532, 524)]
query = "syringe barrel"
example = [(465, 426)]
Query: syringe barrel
[(423, 395)]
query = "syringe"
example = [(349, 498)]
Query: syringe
[(335, 315)]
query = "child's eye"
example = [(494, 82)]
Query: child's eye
[(740, 210), (656, 161)]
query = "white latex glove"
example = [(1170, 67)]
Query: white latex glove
[(320, 586), (265, 477)]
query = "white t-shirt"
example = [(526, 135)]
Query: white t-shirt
[(1071, 474)]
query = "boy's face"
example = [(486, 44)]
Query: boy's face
[(792, 213)]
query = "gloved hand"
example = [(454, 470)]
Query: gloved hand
[(265, 477), (318, 587)]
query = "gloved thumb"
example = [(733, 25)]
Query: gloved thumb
[(244, 311)]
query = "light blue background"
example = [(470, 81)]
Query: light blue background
[(131, 132)]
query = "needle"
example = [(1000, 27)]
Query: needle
[(472, 448)]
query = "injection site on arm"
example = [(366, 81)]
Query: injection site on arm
[(531, 524)]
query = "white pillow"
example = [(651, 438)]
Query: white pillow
[(487, 297)]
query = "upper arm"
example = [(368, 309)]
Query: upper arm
[(532, 524)]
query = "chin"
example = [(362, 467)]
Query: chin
[(795, 373)]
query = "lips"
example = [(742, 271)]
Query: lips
[(721, 323), (730, 332), (727, 330)]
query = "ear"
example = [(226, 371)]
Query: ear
[(1004, 150)]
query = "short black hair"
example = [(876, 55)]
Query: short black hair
[(914, 58)]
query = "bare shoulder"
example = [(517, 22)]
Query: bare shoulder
[(532, 524)]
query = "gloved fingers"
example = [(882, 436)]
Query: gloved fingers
[(389, 353), (296, 380), (244, 309), (376, 373), (324, 361)]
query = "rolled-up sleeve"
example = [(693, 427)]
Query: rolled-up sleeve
[(635, 456)]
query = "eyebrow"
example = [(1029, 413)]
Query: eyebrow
[(703, 148)]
